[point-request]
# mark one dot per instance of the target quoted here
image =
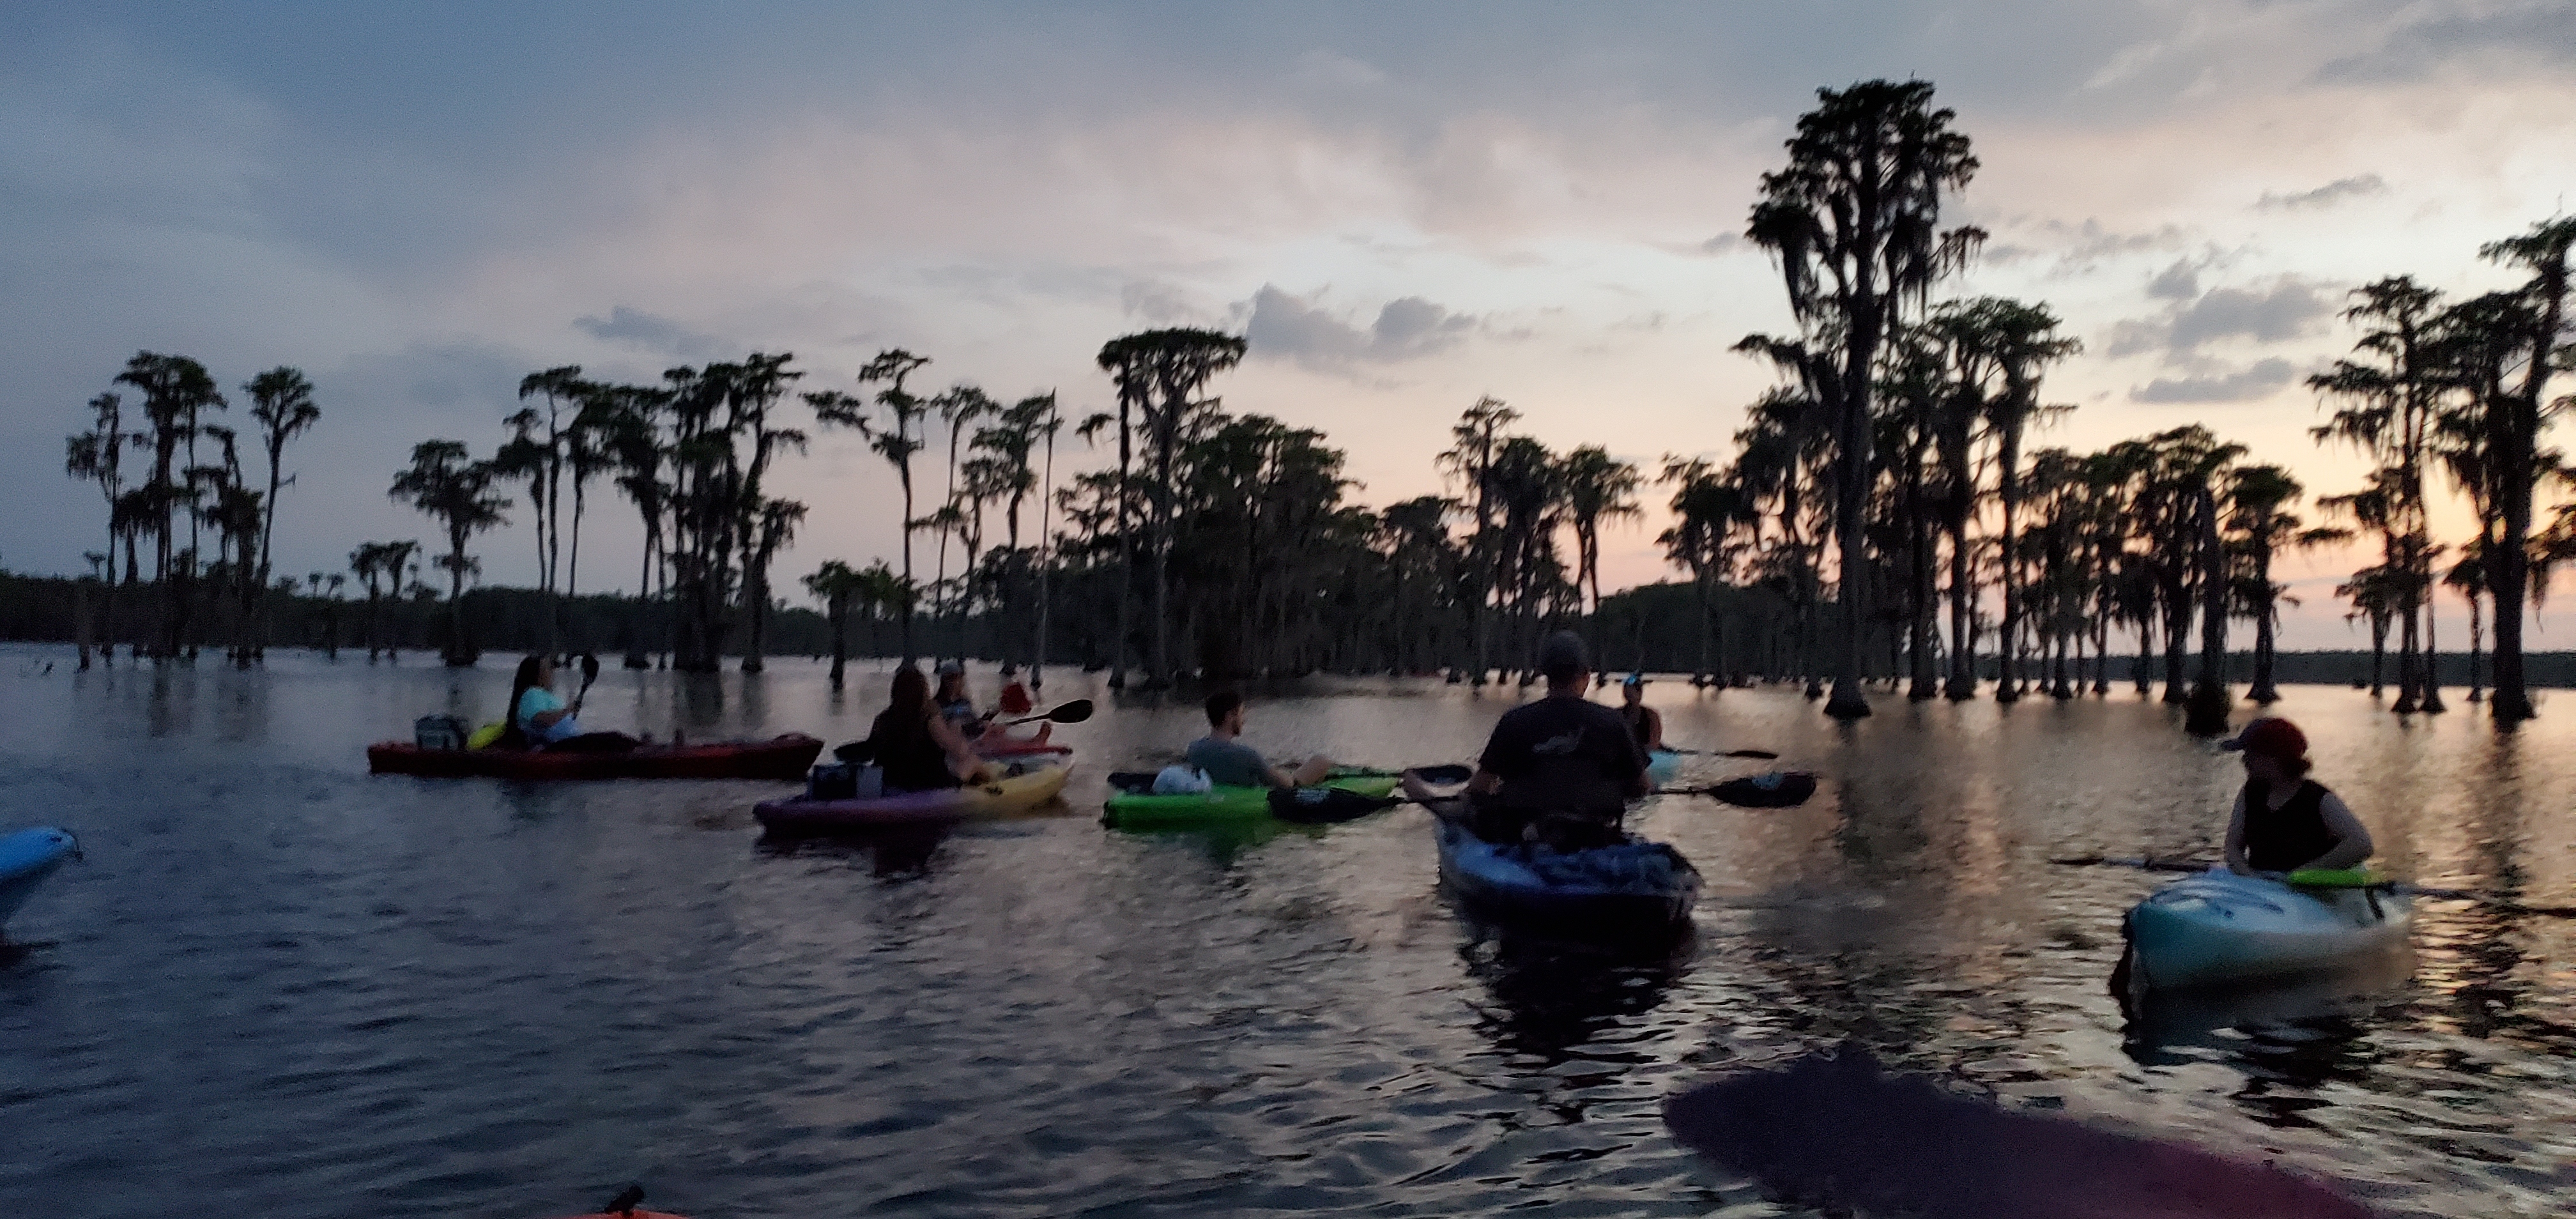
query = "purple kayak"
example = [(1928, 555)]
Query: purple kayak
[(798, 815), (1834, 1131)]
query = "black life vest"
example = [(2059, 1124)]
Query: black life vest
[(911, 758), (2280, 839)]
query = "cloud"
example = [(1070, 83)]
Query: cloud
[(2358, 186), (2540, 32), (1290, 328), (2244, 384), (1159, 303), (2076, 247), (2290, 308), (2179, 282), (651, 331)]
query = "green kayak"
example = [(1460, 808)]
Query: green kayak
[(1219, 806)]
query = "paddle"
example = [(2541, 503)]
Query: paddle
[(589, 674), (1069, 713), (1335, 804), (1141, 782), (2506, 904), (1763, 754)]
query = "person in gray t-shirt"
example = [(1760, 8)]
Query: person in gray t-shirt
[(1231, 763)]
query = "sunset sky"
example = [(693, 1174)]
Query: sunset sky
[(1404, 206)]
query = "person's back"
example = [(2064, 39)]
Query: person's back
[(1564, 754), (912, 759), (1563, 766), (1229, 763)]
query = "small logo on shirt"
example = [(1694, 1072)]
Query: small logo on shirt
[(1564, 745)]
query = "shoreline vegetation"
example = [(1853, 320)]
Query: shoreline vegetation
[(1647, 629), (1886, 514)]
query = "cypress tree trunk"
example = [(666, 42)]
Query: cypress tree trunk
[(2207, 714)]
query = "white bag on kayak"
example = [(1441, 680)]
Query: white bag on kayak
[(1182, 781)]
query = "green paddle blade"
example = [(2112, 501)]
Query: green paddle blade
[(2336, 878)]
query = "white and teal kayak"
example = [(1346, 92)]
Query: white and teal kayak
[(2219, 927), (26, 859)]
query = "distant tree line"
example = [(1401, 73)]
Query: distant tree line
[(1884, 512)]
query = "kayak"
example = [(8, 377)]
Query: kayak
[(1220, 805), (1021, 749), (1837, 1132), (784, 757), (1635, 886), (2221, 927), (26, 859), (798, 815), (1662, 766)]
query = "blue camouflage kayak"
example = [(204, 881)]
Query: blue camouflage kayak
[(1633, 887), (26, 859)]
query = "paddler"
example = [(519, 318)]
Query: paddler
[(1643, 721), (1227, 761), (541, 720), (916, 746), (2285, 821), (1560, 770), (955, 705), (958, 708)]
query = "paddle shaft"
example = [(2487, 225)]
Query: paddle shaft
[(1067, 713), (2505, 904)]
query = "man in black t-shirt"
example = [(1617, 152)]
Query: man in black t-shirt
[(1563, 767)]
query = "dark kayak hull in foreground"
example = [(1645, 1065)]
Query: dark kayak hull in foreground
[(1489, 881), (785, 757), (1835, 1132)]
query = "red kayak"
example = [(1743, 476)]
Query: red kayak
[(785, 757)]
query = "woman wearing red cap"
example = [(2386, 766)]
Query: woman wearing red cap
[(2284, 820)]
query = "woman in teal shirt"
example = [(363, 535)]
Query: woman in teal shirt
[(540, 720)]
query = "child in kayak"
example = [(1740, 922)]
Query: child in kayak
[(2284, 821), (1644, 721), (958, 708), (1231, 763), (540, 720)]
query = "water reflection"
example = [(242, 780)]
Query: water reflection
[(1552, 996), (895, 853), (452, 991)]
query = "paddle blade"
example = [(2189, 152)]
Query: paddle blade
[(1761, 754), (1071, 713), (1444, 776), (589, 668), (1133, 782), (1324, 805), (1834, 1131), (1778, 789)]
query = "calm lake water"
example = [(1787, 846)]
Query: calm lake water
[(280, 987)]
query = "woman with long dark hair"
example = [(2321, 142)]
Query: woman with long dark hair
[(918, 749)]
